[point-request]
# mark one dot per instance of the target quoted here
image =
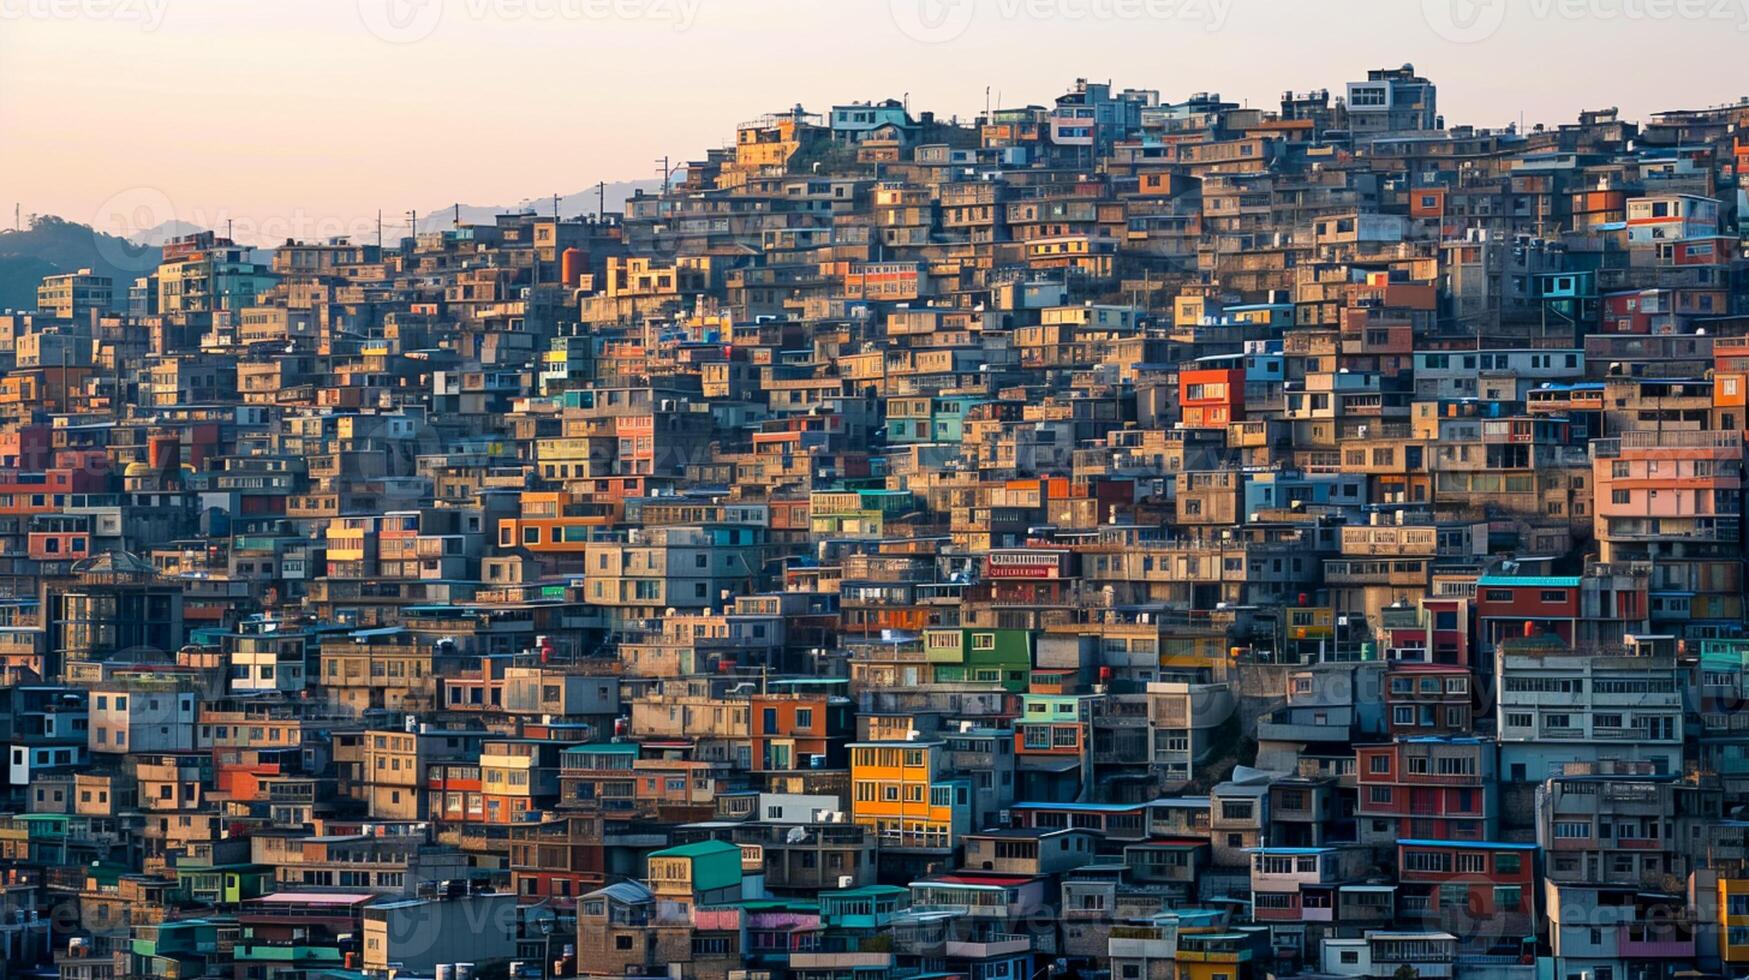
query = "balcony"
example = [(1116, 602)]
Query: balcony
[(1654, 942), (1003, 944), (1141, 943), (841, 961)]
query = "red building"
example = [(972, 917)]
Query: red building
[(1212, 397), (1636, 311), (1482, 892), (801, 731), (1436, 631), (557, 860), (1426, 789), (454, 792), (1504, 604)]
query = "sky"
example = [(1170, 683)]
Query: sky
[(303, 118)]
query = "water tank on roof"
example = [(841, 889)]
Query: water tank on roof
[(573, 264)]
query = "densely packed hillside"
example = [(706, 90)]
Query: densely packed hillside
[(1118, 538)]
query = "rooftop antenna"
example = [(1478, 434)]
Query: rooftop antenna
[(458, 214), (413, 223), (555, 207), (379, 229), (600, 200)]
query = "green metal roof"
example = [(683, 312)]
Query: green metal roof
[(604, 748), (697, 849), (715, 864), (1533, 581)]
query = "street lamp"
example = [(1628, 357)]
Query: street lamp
[(546, 955)]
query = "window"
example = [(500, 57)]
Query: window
[(1437, 861)]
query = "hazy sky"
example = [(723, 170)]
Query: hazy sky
[(303, 117)]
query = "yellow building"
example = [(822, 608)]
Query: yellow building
[(1218, 954), (767, 144), (1734, 921), (900, 791), (75, 294)]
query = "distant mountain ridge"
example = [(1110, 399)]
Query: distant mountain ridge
[(53, 245)]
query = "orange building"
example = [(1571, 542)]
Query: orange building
[(1212, 397), (559, 521), (800, 731)]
